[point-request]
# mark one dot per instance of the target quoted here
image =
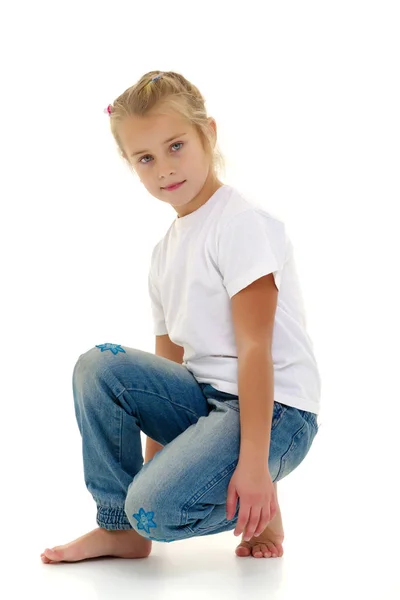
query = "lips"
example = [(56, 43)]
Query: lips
[(174, 185)]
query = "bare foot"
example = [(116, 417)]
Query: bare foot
[(268, 543), (125, 543)]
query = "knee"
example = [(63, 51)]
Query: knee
[(148, 514), (86, 372), (90, 362)]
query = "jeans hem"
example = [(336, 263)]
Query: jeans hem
[(112, 518)]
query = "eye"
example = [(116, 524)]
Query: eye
[(174, 144), (177, 144)]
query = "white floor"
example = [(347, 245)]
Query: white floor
[(331, 549)]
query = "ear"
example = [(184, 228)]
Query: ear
[(213, 124)]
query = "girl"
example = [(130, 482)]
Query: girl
[(229, 401)]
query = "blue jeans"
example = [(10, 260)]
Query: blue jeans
[(182, 491)]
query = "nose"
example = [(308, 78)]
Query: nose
[(165, 171)]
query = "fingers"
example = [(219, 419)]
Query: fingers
[(243, 517), (264, 520), (252, 523), (258, 522), (253, 520)]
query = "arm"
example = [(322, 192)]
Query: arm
[(253, 312), (256, 393)]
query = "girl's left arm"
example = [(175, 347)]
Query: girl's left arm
[(253, 313), (256, 398)]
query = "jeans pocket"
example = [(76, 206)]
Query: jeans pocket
[(298, 449), (314, 422), (278, 413)]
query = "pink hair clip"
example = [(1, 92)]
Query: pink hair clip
[(108, 109)]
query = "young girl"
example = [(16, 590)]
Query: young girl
[(229, 401)]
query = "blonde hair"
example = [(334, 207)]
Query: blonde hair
[(174, 92)]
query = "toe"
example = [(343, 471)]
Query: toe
[(53, 554), (243, 549), (265, 551), (272, 549), (256, 551)]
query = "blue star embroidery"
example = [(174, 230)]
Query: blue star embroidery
[(115, 348), (145, 520)]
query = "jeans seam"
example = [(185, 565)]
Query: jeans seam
[(121, 419), (205, 529), (200, 493), (188, 410), (292, 446), (275, 424)]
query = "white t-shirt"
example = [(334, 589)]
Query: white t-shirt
[(203, 260)]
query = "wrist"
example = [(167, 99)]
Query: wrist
[(254, 458)]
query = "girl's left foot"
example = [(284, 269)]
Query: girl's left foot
[(268, 544), (124, 543)]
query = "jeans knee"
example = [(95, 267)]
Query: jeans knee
[(89, 361), (82, 358), (148, 512), (141, 514), (80, 367), (88, 366)]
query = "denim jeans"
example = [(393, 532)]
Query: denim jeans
[(182, 491)]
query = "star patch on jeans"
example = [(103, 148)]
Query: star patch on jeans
[(115, 348), (145, 520)]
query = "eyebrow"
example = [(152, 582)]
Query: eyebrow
[(166, 142)]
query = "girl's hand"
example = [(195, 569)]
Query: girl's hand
[(258, 505)]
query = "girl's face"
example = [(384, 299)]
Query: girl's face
[(164, 150)]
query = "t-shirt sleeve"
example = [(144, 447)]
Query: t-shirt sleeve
[(159, 326), (245, 252)]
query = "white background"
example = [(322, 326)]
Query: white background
[(306, 97)]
